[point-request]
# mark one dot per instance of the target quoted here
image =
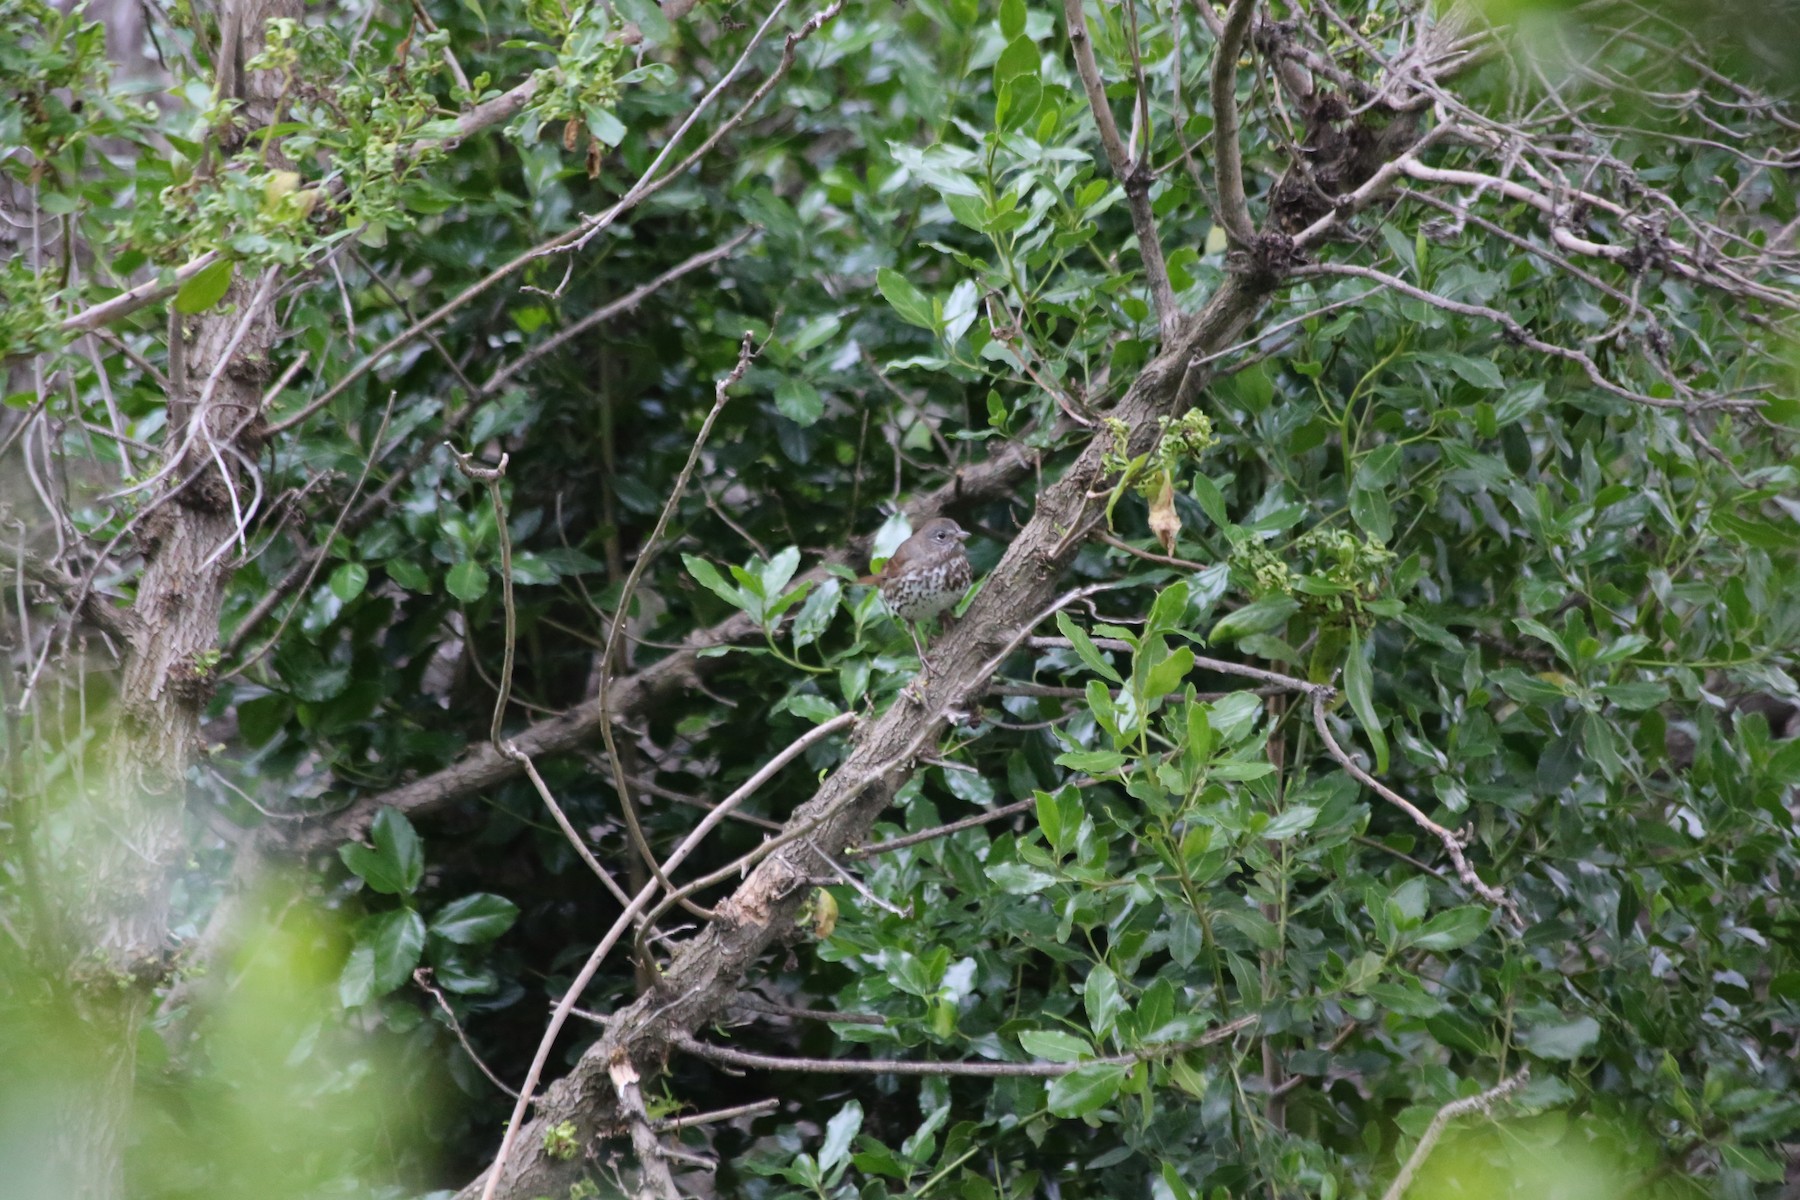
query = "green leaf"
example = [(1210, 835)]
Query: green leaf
[(1378, 468), (1012, 19), (809, 706), (467, 581), (853, 679), (840, 1132), (1210, 500), (1170, 609), (395, 861), (356, 982), (799, 401), (1784, 764), (348, 581), (1020, 57), (1053, 1045), (393, 940), (1758, 1164), (476, 918), (1100, 997), (1232, 717), (1017, 879), (1086, 1089), (1167, 675), (1091, 762), (1371, 512), (1085, 649), (1479, 371), (815, 615), (1562, 1040), (1636, 695), (708, 576), (1520, 401), (605, 125), (908, 301), (1259, 616), (1359, 689), (1452, 929), (648, 16), (814, 333), (1241, 770), (1296, 818), (205, 287)]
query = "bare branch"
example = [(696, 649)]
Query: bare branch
[(1482, 1103), (637, 905), (966, 1070), (1451, 841), (755, 1109), (608, 311), (119, 623), (705, 971), (1134, 176), (926, 835), (622, 613), (1519, 334), (654, 1178), (1228, 154)]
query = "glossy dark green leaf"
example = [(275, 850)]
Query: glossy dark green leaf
[(1086, 1089), (395, 859), (473, 919)]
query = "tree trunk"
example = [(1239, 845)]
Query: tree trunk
[(113, 875)]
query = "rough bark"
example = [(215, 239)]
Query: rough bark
[(112, 878)]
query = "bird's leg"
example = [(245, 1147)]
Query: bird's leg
[(914, 691), (912, 628)]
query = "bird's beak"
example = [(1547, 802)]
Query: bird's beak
[(962, 535)]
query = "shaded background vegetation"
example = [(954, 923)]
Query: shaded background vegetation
[(1562, 616)]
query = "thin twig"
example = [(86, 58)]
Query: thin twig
[(607, 312), (422, 977), (491, 477), (1482, 1102), (622, 613), (1451, 841), (1162, 560), (575, 238), (318, 560), (1133, 176), (979, 1070), (655, 1181), (938, 831), (583, 977), (754, 1109)]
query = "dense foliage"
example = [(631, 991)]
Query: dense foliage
[(1538, 575)]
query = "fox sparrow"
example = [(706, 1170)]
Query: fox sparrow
[(927, 575)]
